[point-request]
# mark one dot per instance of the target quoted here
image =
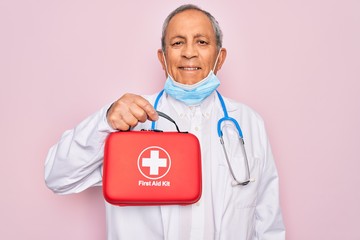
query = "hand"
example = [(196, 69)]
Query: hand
[(128, 110)]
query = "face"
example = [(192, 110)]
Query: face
[(191, 49)]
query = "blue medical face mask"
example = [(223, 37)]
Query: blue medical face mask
[(192, 94)]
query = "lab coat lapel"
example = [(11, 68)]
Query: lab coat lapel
[(218, 171)]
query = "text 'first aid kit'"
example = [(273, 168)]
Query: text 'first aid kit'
[(152, 167)]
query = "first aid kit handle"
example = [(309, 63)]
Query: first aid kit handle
[(161, 114)]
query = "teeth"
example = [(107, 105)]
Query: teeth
[(191, 68)]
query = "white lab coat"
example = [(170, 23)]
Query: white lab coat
[(249, 212)]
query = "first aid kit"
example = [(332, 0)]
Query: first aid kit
[(152, 167)]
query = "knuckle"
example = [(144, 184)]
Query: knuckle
[(142, 116), (127, 97), (111, 117), (133, 122), (123, 127)]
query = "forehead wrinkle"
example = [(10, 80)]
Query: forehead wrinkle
[(178, 36), (199, 35)]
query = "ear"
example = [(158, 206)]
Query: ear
[(161, 59), (221, 60)]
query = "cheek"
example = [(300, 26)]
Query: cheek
[(173, 56), (172, 64), (208, 58), (211, 62)]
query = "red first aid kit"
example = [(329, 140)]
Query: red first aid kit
[(152, 167)]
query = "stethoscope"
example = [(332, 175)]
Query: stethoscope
[(226, 117)]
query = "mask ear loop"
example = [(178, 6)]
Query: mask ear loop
[(216, 61), (166, 66)]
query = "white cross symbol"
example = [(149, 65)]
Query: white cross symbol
[(154, 162)]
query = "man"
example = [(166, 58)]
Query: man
[(191, 55)]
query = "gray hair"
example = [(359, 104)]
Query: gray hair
[(214, 23)]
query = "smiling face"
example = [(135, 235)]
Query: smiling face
[(190, 47)]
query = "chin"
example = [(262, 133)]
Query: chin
[(189, 81)]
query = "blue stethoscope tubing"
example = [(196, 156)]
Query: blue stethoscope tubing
[(220, 134), (227, 118), (155, 107), (241, 139)]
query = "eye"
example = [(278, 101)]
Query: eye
[(178, 43), (202, 42)]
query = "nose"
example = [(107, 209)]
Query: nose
[(189, 51)]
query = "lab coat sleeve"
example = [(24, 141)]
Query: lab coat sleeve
[(75, 162), (269, 222)]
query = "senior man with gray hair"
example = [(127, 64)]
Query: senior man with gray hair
[(240, 198)]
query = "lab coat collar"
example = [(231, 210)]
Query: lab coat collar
[(183, 110)]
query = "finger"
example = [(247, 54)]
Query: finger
[(121, 126), (146, 106), (138, 112), (124, 122), (129, 110), (121, 122), (139, 107), (119, 116)]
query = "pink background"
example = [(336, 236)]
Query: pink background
[(296, 62)]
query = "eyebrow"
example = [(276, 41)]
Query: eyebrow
[(183, 37)]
